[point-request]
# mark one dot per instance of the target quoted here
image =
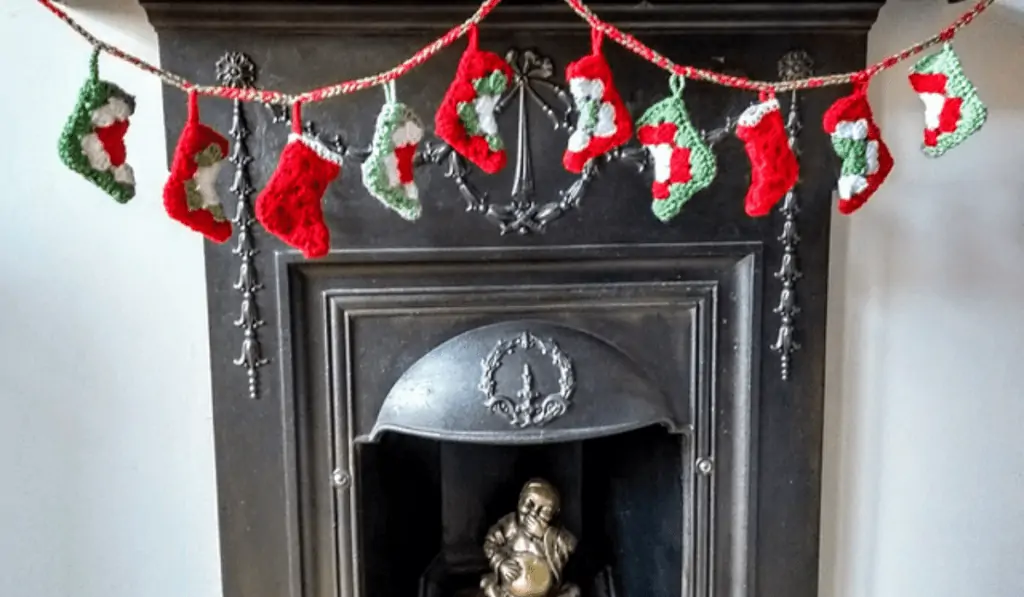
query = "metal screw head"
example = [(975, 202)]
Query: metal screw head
[(341, 479), (705, 466)]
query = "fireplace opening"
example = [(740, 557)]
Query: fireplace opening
[(426, 506)]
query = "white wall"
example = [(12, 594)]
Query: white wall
[(924, 454), (107, 464), (106, 459)]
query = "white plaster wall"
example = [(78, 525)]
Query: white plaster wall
[(106, 454), (924, 452), (106, 458)]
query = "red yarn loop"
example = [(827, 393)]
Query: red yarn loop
[(474, 38), (193, 106), (596, 38), (297, 118), (766, 94)]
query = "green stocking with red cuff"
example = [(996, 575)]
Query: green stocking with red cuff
[(858, 141), (683, 163), (92, 143), (388, 172), (467, 118), (952, 109), (190, 195), (604, 122)]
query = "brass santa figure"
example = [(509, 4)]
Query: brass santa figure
[(526, 551)]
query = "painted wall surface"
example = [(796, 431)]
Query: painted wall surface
[(105, 434), (106, 450), (924, 455)]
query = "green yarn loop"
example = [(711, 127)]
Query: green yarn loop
[(677, 83)]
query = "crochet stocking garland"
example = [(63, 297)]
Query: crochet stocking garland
[(289, 207), (467, 118), (773, 166), (388, 172), (92, 143), (683, 163), (190, 195), (604, 122), (952, 109), (858, 141)]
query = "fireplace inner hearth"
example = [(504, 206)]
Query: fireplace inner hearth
[(463, 431), (378, 410), (623, 497)]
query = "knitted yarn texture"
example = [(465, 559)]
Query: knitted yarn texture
[(952, 109), (856, 139), (467, 117), (92, 142), (773, 165), (190, 195), (683, 163), (603, 122), (289, 207), (388, 171)]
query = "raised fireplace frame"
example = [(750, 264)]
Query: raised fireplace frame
[(755, 288)]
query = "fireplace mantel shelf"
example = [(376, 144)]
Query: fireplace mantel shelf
[(553, 15)]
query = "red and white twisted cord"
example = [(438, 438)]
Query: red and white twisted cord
[(626, 40), (639, 48)]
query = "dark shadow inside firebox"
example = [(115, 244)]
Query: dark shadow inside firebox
[(426, 505)]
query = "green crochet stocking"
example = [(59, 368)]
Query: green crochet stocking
[(92, 143), (952, 109), (683, 163), (388, 172)]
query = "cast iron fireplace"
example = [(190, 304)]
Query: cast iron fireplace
[(377, 410)]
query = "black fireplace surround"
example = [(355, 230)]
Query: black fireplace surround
[(376, 410)]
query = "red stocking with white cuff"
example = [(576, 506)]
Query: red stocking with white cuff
[(289, 207), (773, 166)]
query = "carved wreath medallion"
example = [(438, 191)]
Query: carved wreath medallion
[(528, 407)]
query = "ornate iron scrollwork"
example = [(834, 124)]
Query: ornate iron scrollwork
[(794, 65), (534, 84), (529, 407), (235, 69)]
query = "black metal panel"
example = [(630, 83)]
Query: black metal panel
[(276, 457), (514, 15), (683, 314)]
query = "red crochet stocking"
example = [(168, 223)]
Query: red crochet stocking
[(773, 166), (466, 119), (604, 121), (858, 141), (289, 207), (190, 195)]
